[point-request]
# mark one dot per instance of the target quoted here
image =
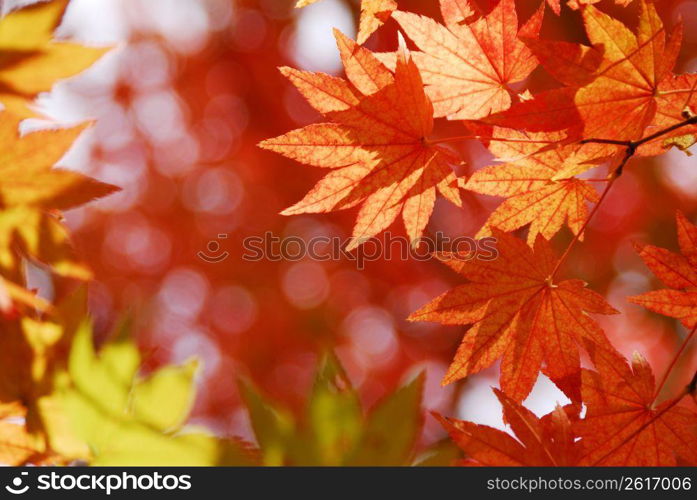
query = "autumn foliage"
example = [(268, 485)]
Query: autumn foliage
[(388, 143), (618, 99)]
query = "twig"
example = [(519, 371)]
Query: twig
[(631, 149), (614, 176), (633, 145), (459, 138), (674, 362)]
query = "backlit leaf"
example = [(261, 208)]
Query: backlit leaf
[(468, 64), (678, 272), (377, 146), (518, 314)]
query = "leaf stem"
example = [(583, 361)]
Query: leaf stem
[(611, 181), (633, 145), (459, 138), (606, 141), (674, 362)]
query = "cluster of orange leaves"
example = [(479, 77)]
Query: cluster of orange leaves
[(618, 99)]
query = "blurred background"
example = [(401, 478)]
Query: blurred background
[(181, 102)]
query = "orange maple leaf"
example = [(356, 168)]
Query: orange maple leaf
[(376, 145), (518, 314), (468, 64), (621, 102), (547, 441), (676, 100), (539, 185), (678, 272), (374, 13), (622, 425), (615, 89), (19, 446)]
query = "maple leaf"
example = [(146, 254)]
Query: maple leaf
[(547, 441), (31, 197), (622, 425), (20, 445), (30, 353), (678, 272), (335, 431), (540, 186), (103, 411), (467, 64), (518, 314), (620, 103), (613, 87), (376, 145), (676, 100), (374, 13), (31, 180), (31, 61)]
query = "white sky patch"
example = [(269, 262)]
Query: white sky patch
[(480, 405), (99, 22), (312, 45)]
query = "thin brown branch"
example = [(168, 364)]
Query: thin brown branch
[(674, 361), (611, 181), (689, 120), (631, 148), (606, 141), (459, 138)]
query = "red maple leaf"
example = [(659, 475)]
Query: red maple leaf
[(623, 425), (547, 441), (678, 272), (519, 314)]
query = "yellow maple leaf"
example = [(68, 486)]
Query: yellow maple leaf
[(103, 411), (31, 61), (31, 194), (335, 430), (31, 353)]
